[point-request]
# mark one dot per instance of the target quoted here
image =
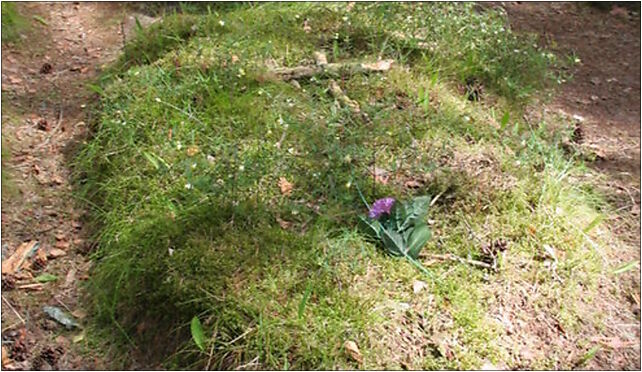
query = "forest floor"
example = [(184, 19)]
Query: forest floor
[(46, 105)]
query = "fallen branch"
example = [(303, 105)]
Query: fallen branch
[(452, 257), (322, 67)]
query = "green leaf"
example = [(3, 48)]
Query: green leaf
[(420, 235), (626, 267), (372, 228), (197, 333), (416, 210), (44, 278), (397, 215), (96, 89), (504, 120), (589, 355), (151, 159), (393, 242), (41, 20), (139, 27), (593, 224), (304, 300)]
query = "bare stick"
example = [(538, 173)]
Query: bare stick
[(324, 68), (452, 257)]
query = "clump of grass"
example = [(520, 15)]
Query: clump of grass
[(12, 21), (192, 140)]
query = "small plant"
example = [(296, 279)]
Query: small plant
[(400, 227)]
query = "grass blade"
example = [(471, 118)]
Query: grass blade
[(304, 300), (625, 267)]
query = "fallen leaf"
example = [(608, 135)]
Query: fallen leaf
[(418, 286), (56, 179), (55, 253), (353, 350), (15, 80), (5, 356), (15, 262), (79, 337), (192, 150), (79, 313), (380, 175), (412, 184), (285, 186), (62, 244), (71, 277), (284, 224)]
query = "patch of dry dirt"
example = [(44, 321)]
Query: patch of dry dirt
[(45, 108), (605, 93)]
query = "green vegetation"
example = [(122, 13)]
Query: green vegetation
[(12, 21), (196, 139)]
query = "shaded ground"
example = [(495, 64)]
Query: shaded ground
[(45, 104)]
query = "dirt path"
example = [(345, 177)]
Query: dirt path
[(44, 110), (605, 93)]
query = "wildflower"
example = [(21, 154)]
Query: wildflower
[(380, 207), (157, 99), (188, 186), (221, 22)]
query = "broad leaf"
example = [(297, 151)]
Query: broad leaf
[(420, 235), (416, 210), (197, 333), (393, 242), (372, 228)]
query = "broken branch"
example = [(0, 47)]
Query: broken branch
[(322, 67)]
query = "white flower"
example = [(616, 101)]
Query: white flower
[(193, 165), (178, 145), (157, 99), (188, 186), (241, 168), (221, 22)]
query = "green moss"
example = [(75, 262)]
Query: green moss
[(193, 137)]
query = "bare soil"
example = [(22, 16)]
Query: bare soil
[(604, 95)]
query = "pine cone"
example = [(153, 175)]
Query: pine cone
[(8, 282)]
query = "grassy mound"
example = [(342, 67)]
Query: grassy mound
[(197, 143)]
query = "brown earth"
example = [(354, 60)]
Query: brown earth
[(45, 108), (603, 97)]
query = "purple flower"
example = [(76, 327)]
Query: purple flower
[(380, 207)]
